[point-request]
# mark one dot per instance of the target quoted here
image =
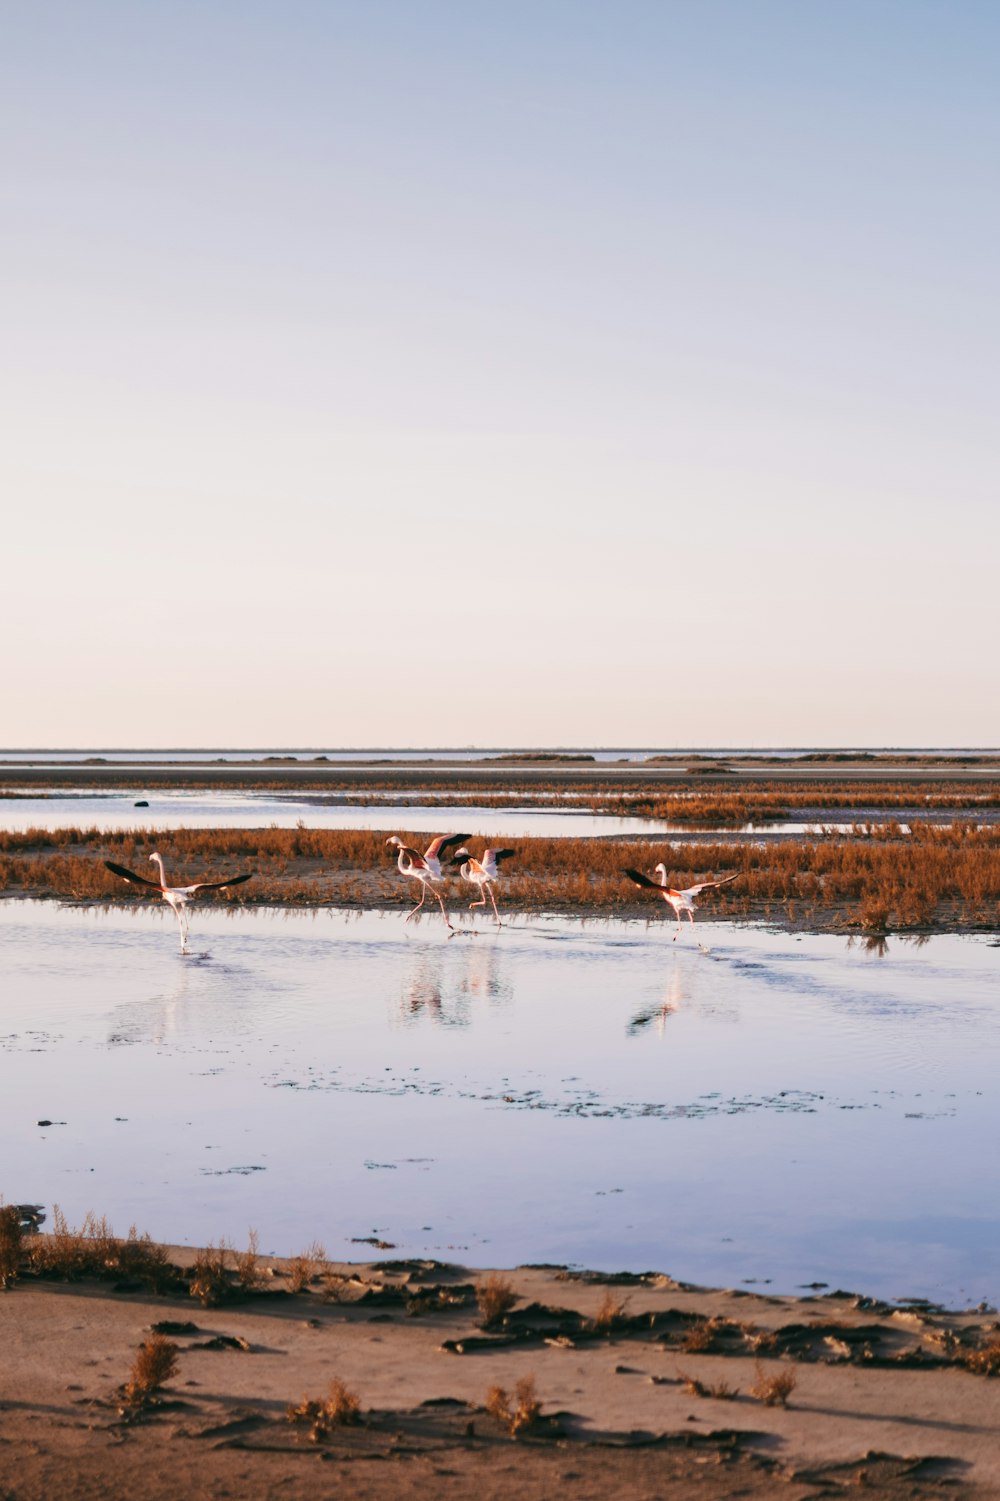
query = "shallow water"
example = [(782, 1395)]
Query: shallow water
[(260, 810), (777, 1111)]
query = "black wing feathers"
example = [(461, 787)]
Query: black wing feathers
[(130, 875)]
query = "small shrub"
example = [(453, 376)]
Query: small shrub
[(495, 1296), (986, 1360), (720, 1390), (520, 1415), (305, 1266), (248, 1264), (210, 1282), (701, 1336), (611, 1312), (339, 1407), (11, 1245), (155, 1363), (773, 1391)]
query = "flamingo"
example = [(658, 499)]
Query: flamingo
[(681, 901), (176, 897), (481, 873), (426, 867)]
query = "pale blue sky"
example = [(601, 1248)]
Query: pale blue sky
[(500, 373)]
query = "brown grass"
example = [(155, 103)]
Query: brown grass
[(496, 1297), (875, 879), (517, 1415), (211, 1282), (773, 1390), (720, 1390), (986, 1360), (154, 1365), (306, 1267), (610, 1313), (11, 1245), (95, 1251), (340, 1407), (248, 1271)]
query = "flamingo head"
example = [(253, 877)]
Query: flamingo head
[(395, 839), (661, 871)]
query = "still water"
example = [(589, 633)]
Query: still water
[(774, 1111), (260, 810)]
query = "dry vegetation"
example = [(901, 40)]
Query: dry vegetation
[(773, 1390), (154, 1365), (95, 1251), (518, 1414), (339, 1408), (11, 1245), (495, 1296), (876, 877)]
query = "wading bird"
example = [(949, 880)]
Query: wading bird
[(681, 901), (176, 897), (481, 873), (426, 867)]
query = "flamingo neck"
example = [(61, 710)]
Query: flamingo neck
[(158, 860)]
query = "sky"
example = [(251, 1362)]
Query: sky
[(432, 372)]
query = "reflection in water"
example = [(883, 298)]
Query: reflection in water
[(878, 943), (442, 982), (673, 998), (483, 973), (154, 1020), (421, 989)]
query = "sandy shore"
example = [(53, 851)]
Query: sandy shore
[(882, 1399)]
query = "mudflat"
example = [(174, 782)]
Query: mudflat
[(644, 1387)]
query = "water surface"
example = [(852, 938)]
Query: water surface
[(776, 1111)]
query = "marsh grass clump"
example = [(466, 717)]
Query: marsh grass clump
[(702, 1335), (496, 1297), (518, 1414), (305, 1267), (610, 1314), (154, 1365), (95, 1251), (720, 1390), (772, 1390), (340, 1407), (986, 1360), (248, 1272), (11, 1245), (210, 1280)]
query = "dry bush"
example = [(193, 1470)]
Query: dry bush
[(95, 1251), (210, 1280), (702, 1335), (155, 1363), (303, 1268), (340, 1407), (520, 1415), (986, 1360), (610, 1313), (720, 1390), (11, 1245), (773, 1391), (496, 1297), (248, 1271)]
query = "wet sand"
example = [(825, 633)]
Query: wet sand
[(881, 1402)]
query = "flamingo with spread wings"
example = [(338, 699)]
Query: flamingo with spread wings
[(681, 901), (482, 873), (176, 897), (425, 868)]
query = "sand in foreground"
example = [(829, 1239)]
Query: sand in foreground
[(645, 1388)]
